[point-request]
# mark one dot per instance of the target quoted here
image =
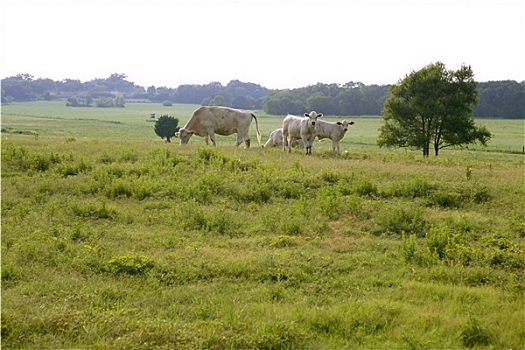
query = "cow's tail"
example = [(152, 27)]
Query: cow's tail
[(257, 128)]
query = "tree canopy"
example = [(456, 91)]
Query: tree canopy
[(332, 99), (432, 106), (497, 99)]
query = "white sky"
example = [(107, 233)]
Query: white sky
[(274, 43)]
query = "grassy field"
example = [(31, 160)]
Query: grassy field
[(112, 238), (54, 119)]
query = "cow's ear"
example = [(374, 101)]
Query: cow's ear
[(306, 115), (351, 123), (177, 134), (191, 132), (339, 123), (319, 115)]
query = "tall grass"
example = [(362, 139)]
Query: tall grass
[(130, 243)]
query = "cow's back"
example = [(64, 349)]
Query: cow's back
[(223, 120), (322, 129), (292, 126)]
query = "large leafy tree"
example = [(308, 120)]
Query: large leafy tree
[(166, 127), (432, 107)]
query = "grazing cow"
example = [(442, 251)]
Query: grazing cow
[(276, 139), (297, 128), (333, 131), (210, 120)]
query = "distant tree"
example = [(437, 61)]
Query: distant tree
[(152, 91), (70, 85), (167, 103), (19, 87), (283, 102), (206, 101), (322, 103), (119, 101), (501, 99), (72, 102), (166, 127), (105, 102), (218, 100), (43, 86), (243, 102), (432, 106)]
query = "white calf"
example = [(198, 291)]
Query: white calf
[(276, 139), (297, 128), (333, 131)]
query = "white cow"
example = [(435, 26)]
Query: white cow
[(276, 139), (333, 131), (297, 128), (210, 120)]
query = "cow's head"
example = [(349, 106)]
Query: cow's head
[(313, 115), (344, 124), (184, 135)]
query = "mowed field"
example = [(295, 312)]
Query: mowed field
[(112, 238)]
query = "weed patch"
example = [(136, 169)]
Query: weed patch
[(132, 265), (474, 334)]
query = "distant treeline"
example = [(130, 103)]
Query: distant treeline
[(497, 99)]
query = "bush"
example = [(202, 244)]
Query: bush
[(166, 127), (403, 219), (133, 265), (475, 334), (283, 241)]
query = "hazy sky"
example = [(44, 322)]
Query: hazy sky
[(275, 43)]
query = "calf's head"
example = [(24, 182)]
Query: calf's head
[(344, 124), (313, 115)]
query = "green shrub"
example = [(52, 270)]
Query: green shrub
[(415, 188), (446, 199), (408, 219), (365, 187), (93, 210), (517, 220), (132, 265), (438, 240), (328, 202), (290, 189), (459, 196), (409, 246), (330, 176), (283, 241), (476, 334), (72, 169)]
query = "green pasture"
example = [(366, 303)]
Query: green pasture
[(49, 119), (113, 239)]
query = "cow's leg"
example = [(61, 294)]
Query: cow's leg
[(289, 143), (334, 146), (310, 143), (245, 137), (239, 139), (212, 137), (206, 139)]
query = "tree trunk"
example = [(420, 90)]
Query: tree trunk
[(426, 149)]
